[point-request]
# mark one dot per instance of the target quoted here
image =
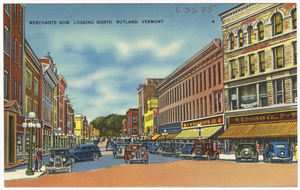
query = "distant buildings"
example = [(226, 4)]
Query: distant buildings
[(80, 130), (149, 116), (132, 120)]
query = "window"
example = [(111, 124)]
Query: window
[(247, 96), (261, 59), (189, 87), (260, 27), (209, 77), (197, 83), (250, 35), (220, 101), (15, 13), (233, 99), (204, 80), (263, 100), (279, 91), (36, 86), (294, 19), (200, 78), (7, 9), (278, 57), (20, 55), (128, 119), (134, 129), (35, 108), (28, 79), (205, 107), (193, 85), (295, 52), (5, 82), (6, 41), (241, 38), (134, 119), (210, 104), (242, 66), (15, 89), (20, 19), (251, 65), (232, 65), (219, 72), (201, 106), (183, 91), (294, 89), (216, 102), (20, 93), (28, 105), (277, 24), (15, 49), (231, 41)]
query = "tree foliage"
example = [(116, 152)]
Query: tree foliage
[(109, 126)]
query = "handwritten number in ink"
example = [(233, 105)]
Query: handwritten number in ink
[(177, 10), (187, 10), (194, 11)]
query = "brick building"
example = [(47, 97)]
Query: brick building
[(132, 121), (192, 95), (260, 72)]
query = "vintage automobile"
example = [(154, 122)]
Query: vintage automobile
[(59, 161), (151, 143), (204, 149), (278, 151), (135, 153), (145, 144), (246, 151), (178, 148), (168, 148), (85, 152), (186, 150), (109, 145), (118, 151), (154, 148)]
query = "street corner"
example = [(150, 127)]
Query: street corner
[(20, 174)]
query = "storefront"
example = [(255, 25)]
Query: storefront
[(47, 139), (262, 128)]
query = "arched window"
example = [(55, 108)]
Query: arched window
[(241, 38), (260, 29), (277, 24), (231, 41), (250, 35), (294, 18)]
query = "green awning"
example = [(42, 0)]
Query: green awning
[(192, 134)]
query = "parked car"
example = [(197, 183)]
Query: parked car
[(103, 139), (168, 148), (118, 151), (135, 153), (109, 145), (246, 151), (96, 141), (85, 152), (178, 148), (279, 151), (60, 161), (145, 144), (186, 150), (204, 149), (155, 147), (151, 143)]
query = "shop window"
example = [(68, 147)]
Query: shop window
[(294, 89), (247, 97), (251, 65), (242, 66), (260, 27), (294, 19), (232, 65), (250, 35), (233, 98), (241, 38), (262, 65), (295, 52), (278, 57), (263, 100), (279, 91), (19, 143), (277, 24), (231, 41)]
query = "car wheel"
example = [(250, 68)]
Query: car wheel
[(208, 156), (96, 156)]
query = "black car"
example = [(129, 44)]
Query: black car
[(118, 151), (85, 152), (60, 161)]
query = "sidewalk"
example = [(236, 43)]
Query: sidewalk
[(20, 174)]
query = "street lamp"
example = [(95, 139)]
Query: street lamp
[(30, 125), (70, 135), (199, 130), (165, 134)]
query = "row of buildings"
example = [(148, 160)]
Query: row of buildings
[(32, 84), (241, 87)]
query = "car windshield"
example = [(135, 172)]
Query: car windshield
[(198, 145), (280, 146), (60, 152), (188, 145), (246, 146), (133, 147)]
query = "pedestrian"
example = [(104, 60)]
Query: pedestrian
[(219, 147), (40, 159), (227, 147), (214, 146), (36, 160), (257, 147)]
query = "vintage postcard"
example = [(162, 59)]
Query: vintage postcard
[(149, 95)]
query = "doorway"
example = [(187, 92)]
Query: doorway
[(11, 139)]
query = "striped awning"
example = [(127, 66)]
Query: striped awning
[(153, 138), (192, 134), (168, 137), (261, 130)]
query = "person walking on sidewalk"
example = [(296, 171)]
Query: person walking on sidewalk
[(36, 160), (257, 147), (40, 159)]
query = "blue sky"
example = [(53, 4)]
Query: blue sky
[(104, 63)]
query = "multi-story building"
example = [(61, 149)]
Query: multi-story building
[(61, 109), (260, 72), (145, 91), (191, 96), (49, 83), (69, 122), (32, 100), (149, 115), (13, 54), (80, 128), (55, 119), (132, 120)]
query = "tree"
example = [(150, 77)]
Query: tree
[(109, 126)]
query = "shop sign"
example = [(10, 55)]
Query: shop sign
[(204, 122), (264, 117)]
